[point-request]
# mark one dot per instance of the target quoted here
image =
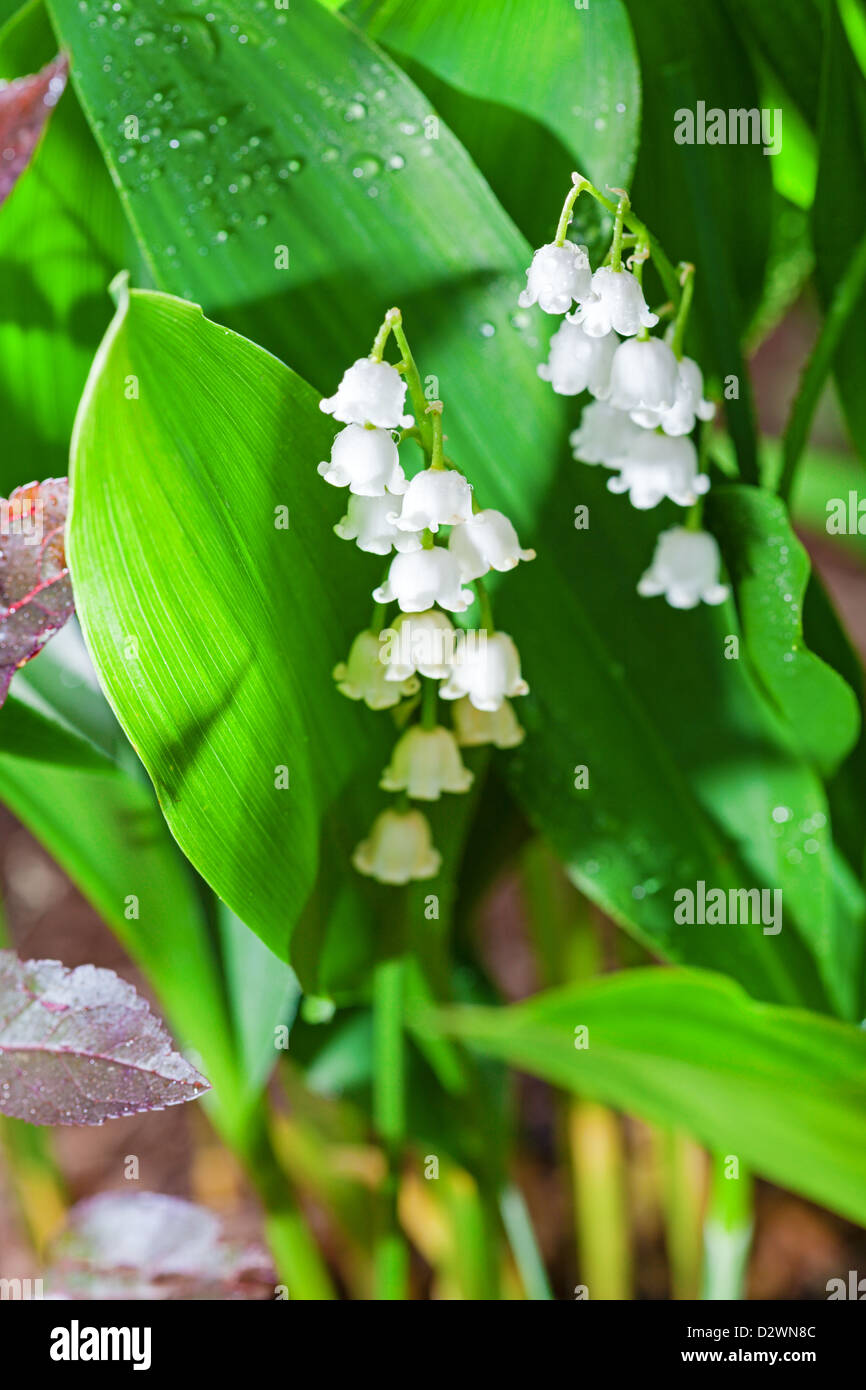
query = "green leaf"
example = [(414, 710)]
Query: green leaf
[(28, 734), (839, 213), (62, 238), (572, 99), (219, 669), (263, 994), (709, 204), (787, 37), (687, 762), (782, 1089)]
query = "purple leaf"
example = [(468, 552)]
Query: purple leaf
[(25, 106), (80, 1046), (35, 589), (142, 1245)]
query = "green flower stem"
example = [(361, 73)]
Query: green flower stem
[(429, 703), (574, 192), (694, 516), (524, 1247), (389, 1114), (434, 410), (681, 1174), (485, 604), (728, 1227), (687, 280), (634, 224), (616, 244), (377, 351), (413, 381)]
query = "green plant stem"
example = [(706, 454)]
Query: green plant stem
[(600, 1203), (389, 1114), (728, 1228), (683, 1187), (434, 410), (485, 605), (688, 284), (524, 1247), (616, 243), (413, 381), (634, 224), (429, 703)]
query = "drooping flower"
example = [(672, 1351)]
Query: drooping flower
[(685, 568), (604, 435), (486, 669), (366, 522), (643, 376), (425, 577), (399, 848), (579, 362), (422, 642), (557, 275), (365, 461), (425, 763), (660, 466), (435, 497), (616, 302), (370, 393), (486, 541), (364, 675), (688, 403), (474, 727)]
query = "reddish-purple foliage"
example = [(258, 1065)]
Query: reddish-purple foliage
[(35, 589), (25, 106), (80, 1046)]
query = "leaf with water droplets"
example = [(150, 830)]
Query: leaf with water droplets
[(146, 1246), (35, 589), (80, 1046), (25, 106)]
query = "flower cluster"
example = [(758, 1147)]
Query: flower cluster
[(648, 397), (439, 542)]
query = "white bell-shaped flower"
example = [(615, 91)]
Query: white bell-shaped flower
[(688, 405), (366, 522), (419, 580), (425, 763), (486, 669), (604, 435), (643, 376), (366, 462), (685, 568), (660, 466), (422, 642), (399, 848), (475, 726), (364, 675), (578, 362), (370, 393), (557, 275), (487, 541), (435, 497), (616, 302)]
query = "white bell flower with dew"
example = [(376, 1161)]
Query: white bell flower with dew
[(616, 301), (486, 669), (366, 462), (685, 568), (688, 405), (643, 376), (557, 276), (370, 393), (398, 849), (475, 727), (419, 580), (578, 362), (425, 763), (604, 435), (366, 522), (660, 466), (486, 541), (435, 497), (418, 642), (364, 675)]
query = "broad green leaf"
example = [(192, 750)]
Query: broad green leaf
[(62, 238), (788, 38), (770, 570), (709, 204), (782, 1089), (28, 734), (839, 212), (571, 99), (687, 762), (263, 994)]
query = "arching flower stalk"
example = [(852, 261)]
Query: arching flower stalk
[(648, 397), (441, 544)]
